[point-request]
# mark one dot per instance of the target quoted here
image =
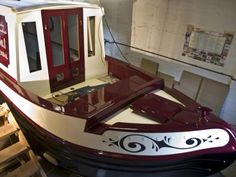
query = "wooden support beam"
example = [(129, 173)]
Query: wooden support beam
[(11, 152), (25, 170), (7, 130)]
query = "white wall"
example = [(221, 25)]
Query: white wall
[(98, 59), (228, 112), (206, 15), (160, 26), (86, 1)]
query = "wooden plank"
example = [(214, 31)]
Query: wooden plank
[(30, 167), (11, 152), (7, 130), (25, 170)]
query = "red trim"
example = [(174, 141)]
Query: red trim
[(5, 75), (100, 113), (4, 45), (69, 109), (229, 149), (182, 98), (213, 123), (67, 66), (124, 70)]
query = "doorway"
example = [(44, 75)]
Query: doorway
[(63, 31)]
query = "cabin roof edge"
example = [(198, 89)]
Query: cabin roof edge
[(26, 5)]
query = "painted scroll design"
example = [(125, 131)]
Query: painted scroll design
[(137, 146)]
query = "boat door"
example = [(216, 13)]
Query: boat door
[(63, 32)]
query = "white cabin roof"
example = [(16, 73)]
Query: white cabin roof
[(28, 5)]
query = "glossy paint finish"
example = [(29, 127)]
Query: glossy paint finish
[(4, 47), (112, 160), (164, 111), (189, 141), (68, 65), (89, 164), (115, 102), (124, 70), (156, 107), (136, 84)]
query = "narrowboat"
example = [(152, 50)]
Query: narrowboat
[(93, 114)]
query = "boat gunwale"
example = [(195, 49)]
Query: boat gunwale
[(106, 154), (117, 126)]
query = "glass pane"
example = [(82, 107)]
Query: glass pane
[(73, 37), (56, 41), (32, 47), (91, 36)]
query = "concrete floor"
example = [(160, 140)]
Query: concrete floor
[(53, 171)]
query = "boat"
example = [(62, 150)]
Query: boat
[(93, 114)]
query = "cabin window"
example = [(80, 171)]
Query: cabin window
[(91, 35), (56, 41), (32, 47), (73, 37)]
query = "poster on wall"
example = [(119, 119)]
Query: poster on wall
[(207, 46), (4, 49)]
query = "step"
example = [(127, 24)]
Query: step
[(25, 170), (7, 130), (12, 151)]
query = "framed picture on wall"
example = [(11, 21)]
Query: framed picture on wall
[(207, 46)]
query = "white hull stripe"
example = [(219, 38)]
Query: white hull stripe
[(142, 144)]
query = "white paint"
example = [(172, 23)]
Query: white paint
[(116, 15), (165, 95), (91, 82), (159, 26), (25, 75), (127, 116), (228, 112), (175, 140), (95, 65), (72, 130), (50, 159), (38, 81), (10, 18), (23, 6)]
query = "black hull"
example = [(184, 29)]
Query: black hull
[(91, 165)]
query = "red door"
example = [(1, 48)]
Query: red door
[(63, 31)]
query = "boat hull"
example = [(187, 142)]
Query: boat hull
[(76, 159)]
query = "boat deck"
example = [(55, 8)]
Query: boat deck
[(70, 94), (62, 97)]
